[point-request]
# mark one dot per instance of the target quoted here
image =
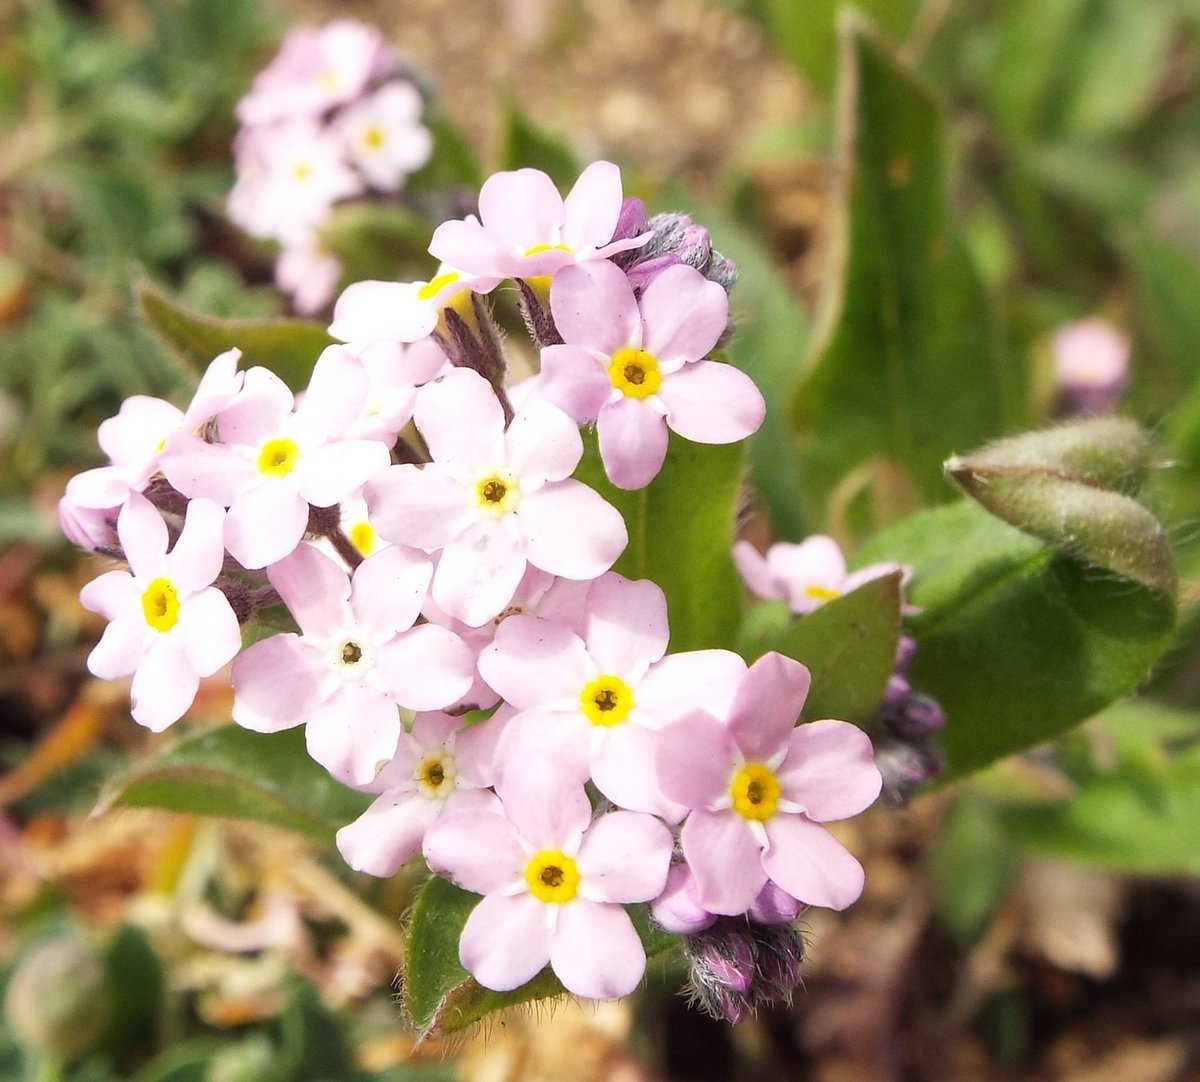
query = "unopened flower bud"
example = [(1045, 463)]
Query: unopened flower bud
[(1091, 366), (922, 716), (632, 221), (57, 1000), (780, 952), (906, 765), (738, 965)]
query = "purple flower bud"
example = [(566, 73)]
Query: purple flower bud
[(780, 952), (905, 766), (631, 222), (906, 650), (738, 965), (774, 906), (922, 717), (895, 695)]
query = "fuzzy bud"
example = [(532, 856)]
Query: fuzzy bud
[(737, 966)]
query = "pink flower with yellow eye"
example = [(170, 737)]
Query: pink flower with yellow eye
[(168, 624)]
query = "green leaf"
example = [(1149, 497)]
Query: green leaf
[(1140, 815), (681, 531), (238, 774), (804, 31), (970, 866), (849, 646), (904, 365), (288, 347), (770, 336), (440, 996), (1017, 641)]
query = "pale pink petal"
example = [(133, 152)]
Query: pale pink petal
[(532, 661), (164, 685), (375, 311), (570, 530), (475, 748), (767, 705), (218, 387), (576, 381), (543, 442), (327, 475), (478, 850), (422, 506), (210, 631), (276, 681), (695, 760), (121, 647), (353, 734), (427, 667), (592, 207), (467, 245), (829, 770), (624, 770), (810, 864), (726, 860), (696, 679), (624, 858), (595, 951), (478, 572), (114, 594), (143, 537), (336, 392), (626, 625), (462, 422), (521, 208), (594, 307), (710, 402), (549, 809), (389, 589), (752, 566), (134, 433), (633, 442), (388, 833), (506, 941), (213, 471), (259, 412), (315, 589), (676, 909), (196, 559), (265, 524), (684, 314), (563, 736)]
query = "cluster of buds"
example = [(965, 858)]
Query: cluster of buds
[(331, 117), (462, 648)]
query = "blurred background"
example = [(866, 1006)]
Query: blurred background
[(1039, 921)]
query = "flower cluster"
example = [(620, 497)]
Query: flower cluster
[(462, 648), (329, 118)]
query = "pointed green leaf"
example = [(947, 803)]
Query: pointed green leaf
[(681, 531), (904, 365), (288, 347), (526, 146), (1016, 640), (849, 646), (234, 773)]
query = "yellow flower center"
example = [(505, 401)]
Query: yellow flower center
[(362, 537), (821, 593), (436, 774), (634, 372), (498, 493), (302, 171), (431, 288), (755, 792), (552, 876), (278, 457), (372, 137), (539, 248), (160, 605), (606, 700)]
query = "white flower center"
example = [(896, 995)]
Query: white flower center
[(351, 655)]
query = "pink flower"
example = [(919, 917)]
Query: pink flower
[(593, 701), (358, 658), (554, 882), (634, 366), (760, 787), (438, 769), (805, 575), (396, 372), (134, 441), (1091, 364), (169, 625), (384, 136), (316, 68), (528, 230), (274, 461), (308, 272), (374, 311), (494, 501)]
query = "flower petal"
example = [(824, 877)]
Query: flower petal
[(626, 624), (265, 524), (462, 422), (695, 679), (810, 863), (532, 661), (143, 537), (209, 631), (594, 307), (633, 442), (422, 506), (427, 667), (354, 733), (388, 833), (709, 402), (767, 705), (695, 760), (624, 857), (275, 684), (576, 381), (478, 850), (570, 530), (164, 685), (684, 314), (830, 770), (506, 941), (726, 860), (196, 559), (595, 951)]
